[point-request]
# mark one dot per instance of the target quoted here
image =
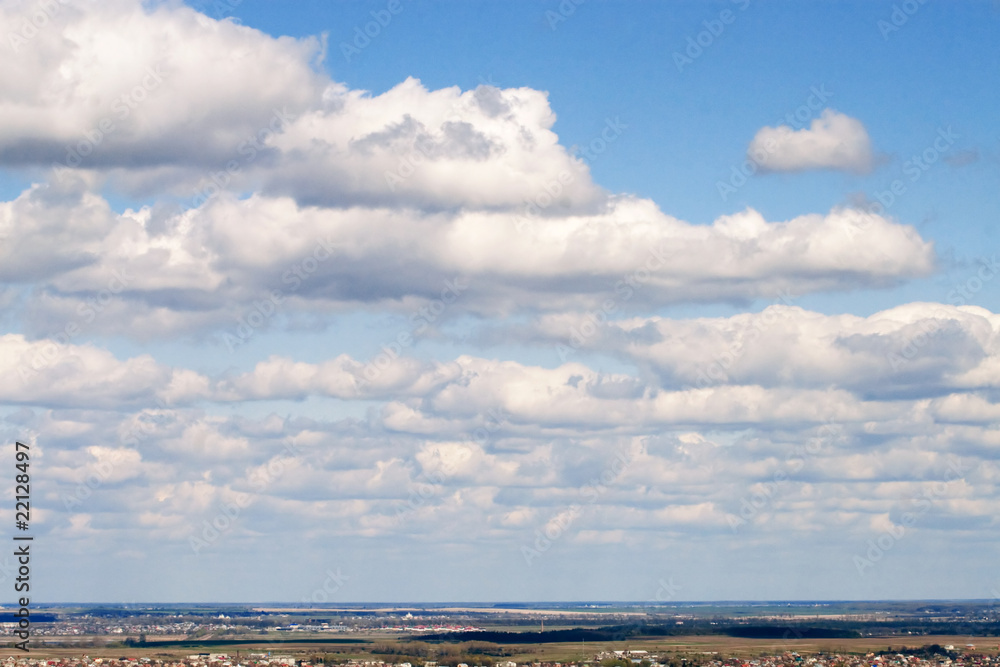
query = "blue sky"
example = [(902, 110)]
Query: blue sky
[(757, 387), (692, 123)]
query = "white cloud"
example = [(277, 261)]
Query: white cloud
[(123, 90), (469, 185), (782, 364), (346, 482), (917, 349), (121, 85), (479, 149), (833, 141), (201, 270), (342, 377), (50, 229), (464, 203), (51, 373)]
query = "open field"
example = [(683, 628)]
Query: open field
[(561, 652), (296, 648), (516, 611), (735, 646)]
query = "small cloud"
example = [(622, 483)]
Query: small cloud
[(962, 158), (833, 141)]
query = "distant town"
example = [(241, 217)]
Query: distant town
[(777, 634), (936, 656)]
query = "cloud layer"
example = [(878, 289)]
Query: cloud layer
[(566, 421), (186, 272)]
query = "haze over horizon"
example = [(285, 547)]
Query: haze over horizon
[(403, 300)]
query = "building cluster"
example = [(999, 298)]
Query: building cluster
[(712, 659), (115, 627), (315, 627), (93, 627), (968, 658), (196, 660), (434, 628), (965, 658)]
